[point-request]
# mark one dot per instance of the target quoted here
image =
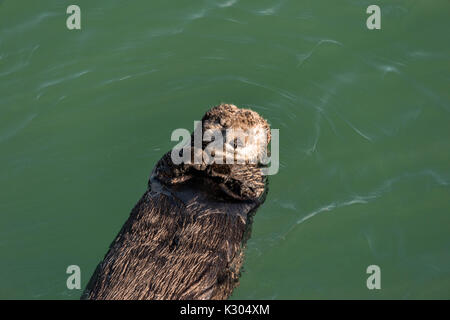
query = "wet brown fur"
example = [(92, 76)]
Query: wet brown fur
[(186, 236)]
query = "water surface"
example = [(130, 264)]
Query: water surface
[(364, 133)]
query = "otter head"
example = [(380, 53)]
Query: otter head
[(245, 135), (233, 143)]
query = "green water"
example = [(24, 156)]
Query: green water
[(364, 135)]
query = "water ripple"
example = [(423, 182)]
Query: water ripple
[(125, 77), (270, 10), (50, 83), (302, 57), (226, 4), (11, 132), (31, 23), (384, 187), (335, 205)]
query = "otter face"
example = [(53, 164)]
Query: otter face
[(247, 146), (244, 134)]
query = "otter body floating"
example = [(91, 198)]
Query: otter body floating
[(186, 236)]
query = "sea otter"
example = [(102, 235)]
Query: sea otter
[(186, 236)]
